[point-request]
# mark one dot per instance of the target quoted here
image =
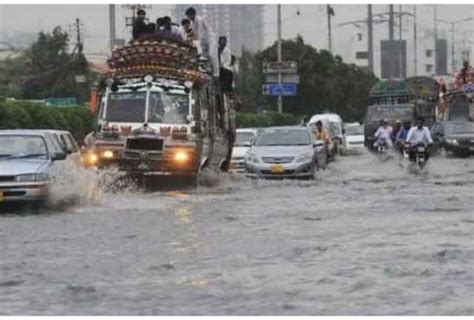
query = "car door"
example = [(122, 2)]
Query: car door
[(56, 168), (72, 147)]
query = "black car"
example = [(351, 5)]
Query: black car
[(456, 137)]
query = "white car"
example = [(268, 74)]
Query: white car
[(285, 152), (354, 135), (27, 158), (243, 141)]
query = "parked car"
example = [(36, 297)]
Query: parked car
[(284, 152), (26, 160), (354, 135), (456, 137), (67, 143), (243, 141), (333, 123)]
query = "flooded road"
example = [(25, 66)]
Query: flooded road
[(367, 238)]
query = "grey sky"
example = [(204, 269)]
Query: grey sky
[(311, 23)]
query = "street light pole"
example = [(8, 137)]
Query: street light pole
[(112, 26), (279, 58), (329, 12), (415, 41), (400, 52), (370, 38)]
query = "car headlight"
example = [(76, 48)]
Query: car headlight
[(251, 157), (108, 154), (452, 141), (32, 177), (304, 157)]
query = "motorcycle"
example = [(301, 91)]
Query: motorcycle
[(419, 155), (382, 148)]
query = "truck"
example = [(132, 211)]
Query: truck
[(159, 112), (402, 100)]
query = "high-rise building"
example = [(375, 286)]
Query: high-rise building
[(241, 24)]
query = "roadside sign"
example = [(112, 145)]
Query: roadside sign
[(468, 88), (285, 78), (362, 55), (59, 102), (276, 89), (280, 67)]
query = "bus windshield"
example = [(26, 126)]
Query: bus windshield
[(168, 107), (126, 107), (163, 107)]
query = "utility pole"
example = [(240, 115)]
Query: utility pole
[(78, 36), (400, 49), (279, 58), (391, 36), (415, 45), (453, 63), (329, 12), (435, 53), (370, 38), (112, 26), (453, 23)]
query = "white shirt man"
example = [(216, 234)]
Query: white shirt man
[(383, 135), (419, 135)]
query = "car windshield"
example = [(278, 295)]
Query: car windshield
[(22, 146), (168, 107), (243, 137), (355, 130), (460, 127), (389, 113), (283, 138), (126, 107)]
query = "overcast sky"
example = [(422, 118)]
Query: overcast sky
[(308, 20)]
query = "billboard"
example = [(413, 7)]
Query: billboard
[(393, 59), (442, 57)]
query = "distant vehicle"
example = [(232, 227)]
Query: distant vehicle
[(26, 160), (333, 123), (285, 152), (243, 141), (354, 135), (393, 100), (456, 137), (67, 143)]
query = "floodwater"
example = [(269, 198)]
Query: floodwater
[(368, 237)]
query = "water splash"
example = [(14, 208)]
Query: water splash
[(74, 185)]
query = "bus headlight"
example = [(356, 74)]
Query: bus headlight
[(90, 159), (181, 156)]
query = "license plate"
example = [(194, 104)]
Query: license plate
[(421, 149), (277, 168), (2, 197), (143, 166)]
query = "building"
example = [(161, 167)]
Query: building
[(241, 24)]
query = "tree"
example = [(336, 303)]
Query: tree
[(48, 69), (326, 82)]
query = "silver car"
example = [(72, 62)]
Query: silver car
[(26, 160), (284, 152)]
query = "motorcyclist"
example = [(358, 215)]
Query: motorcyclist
[(396, 129), (382, 136), (418, 136), (402, 134)]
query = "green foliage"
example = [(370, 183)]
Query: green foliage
[(29, 115), (267, 119), (46, 70), (326, 82)]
